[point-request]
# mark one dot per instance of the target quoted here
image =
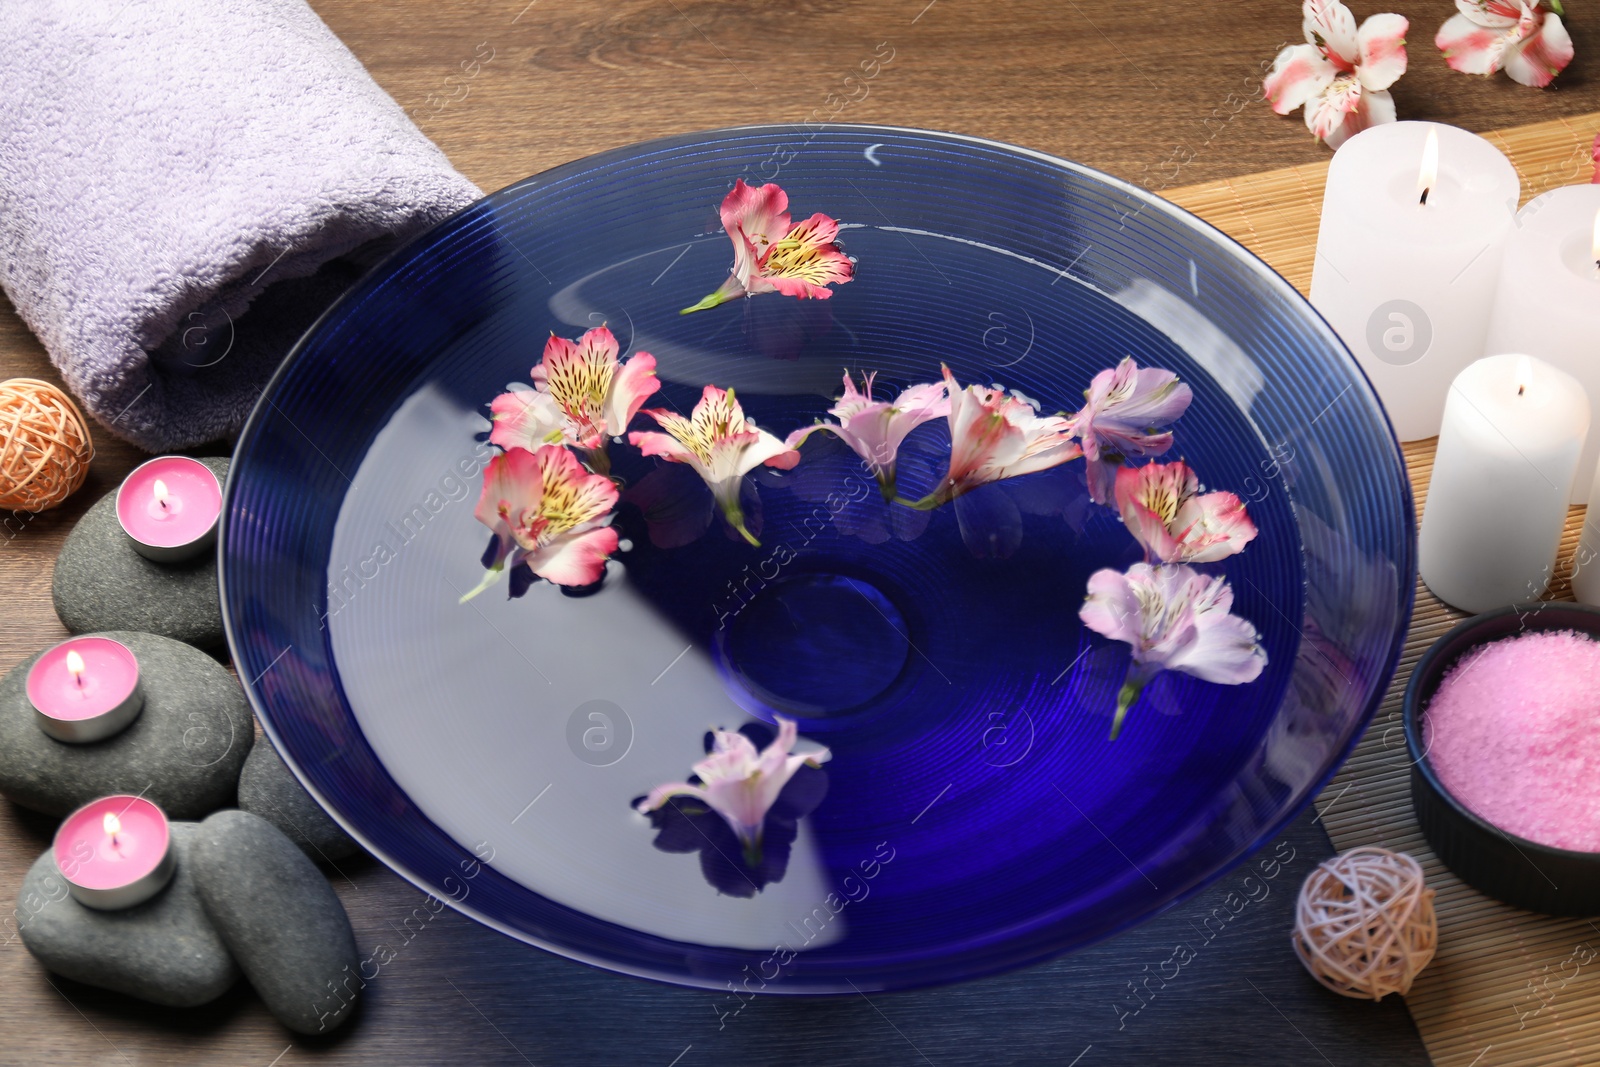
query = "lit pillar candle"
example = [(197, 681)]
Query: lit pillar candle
[(1497, 500), (1548, 301), (115, 852), (169, 508), (85, 689), (1414, 221)]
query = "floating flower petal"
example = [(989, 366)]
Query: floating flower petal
[(524, 417), (1176, 619), (1163, 508), (874, 429), (720, 444), (741, 784), (582, 395), (548, 512), (772, 255), (1123, 414), (995, 435)]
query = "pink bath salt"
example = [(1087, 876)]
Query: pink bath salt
[(1513, 733)]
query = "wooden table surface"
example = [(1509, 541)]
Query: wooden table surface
[(1160, 94)]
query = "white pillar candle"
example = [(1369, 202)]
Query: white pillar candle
[(1407, 280), (1497, 501), (1586, 561), (1548, 300)]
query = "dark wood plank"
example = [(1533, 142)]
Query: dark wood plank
[(1158, 94), (1212, 981)]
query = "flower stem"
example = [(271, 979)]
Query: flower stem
[(490, 576), (735, 519), (752, 854), (1555, 5), (727, 291), (1125, 699), (706, 302), (927, 503)]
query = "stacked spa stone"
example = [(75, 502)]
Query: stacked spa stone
[(247, 896), (244, 897), (269, 789), (101, 583), (184, 751)]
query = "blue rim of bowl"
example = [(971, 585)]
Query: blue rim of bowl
[(1269, 276)]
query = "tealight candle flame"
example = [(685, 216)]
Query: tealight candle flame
[(161, 492), (75, 667), (1428, 174), (112, 824), (1524, 373)]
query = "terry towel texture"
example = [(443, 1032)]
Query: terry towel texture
[(184, 186)]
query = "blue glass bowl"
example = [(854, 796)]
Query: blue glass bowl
[(974, 816)]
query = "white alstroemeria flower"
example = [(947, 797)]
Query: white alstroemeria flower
[(1175, 619), (741, 784), (1342, 74), (720, 444), (874, 429)]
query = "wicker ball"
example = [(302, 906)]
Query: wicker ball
[(44, 445), (1364, 925)]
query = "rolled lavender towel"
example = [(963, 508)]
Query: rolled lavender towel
[(184, 187)]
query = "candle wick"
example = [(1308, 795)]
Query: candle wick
[(1424, 198), (75, 668), (1520, 388)]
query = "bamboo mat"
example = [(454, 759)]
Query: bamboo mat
[(1507, 986)]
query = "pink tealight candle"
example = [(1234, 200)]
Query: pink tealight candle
[(169, 508), (85, 689), (115, 852)]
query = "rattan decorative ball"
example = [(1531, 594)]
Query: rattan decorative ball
[(44, 445), (1364, 925)]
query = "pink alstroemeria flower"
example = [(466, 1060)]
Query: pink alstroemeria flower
[(1163, 508), (582, 395), (874, 428), (1518, 36), (1175, 619), (720, 444), (1341, 75), (772, 255), (1123, 412), (548, 512), (741, 784), (996, 435)]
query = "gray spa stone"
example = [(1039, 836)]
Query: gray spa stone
[(268, 788), (165, 950), (183, 752), (280, 918), (101, 583)]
